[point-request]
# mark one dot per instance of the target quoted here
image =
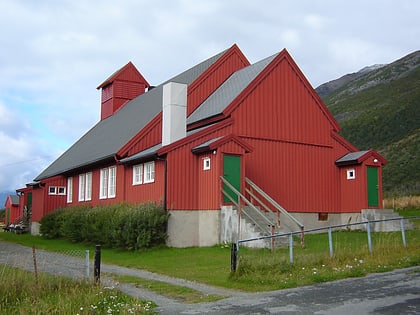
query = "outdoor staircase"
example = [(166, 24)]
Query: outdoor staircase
[(257, 215)]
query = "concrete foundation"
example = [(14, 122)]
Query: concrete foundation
[(34, 229), (193, 228)]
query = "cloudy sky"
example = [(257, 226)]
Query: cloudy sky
[(53, 55)]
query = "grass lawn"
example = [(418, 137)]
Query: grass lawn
[(261, 269)]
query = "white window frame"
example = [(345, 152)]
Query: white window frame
[(206, 163), (88, 186), (108, 183), (112, 182), (149, 172), (351, 173), (55, 190), (82, 187), (69, 189), (85, 186), (138, 174)]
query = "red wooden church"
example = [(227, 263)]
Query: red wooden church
[(196, 141)]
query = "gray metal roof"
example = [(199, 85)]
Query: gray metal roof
[(228, 91), (204, 146), (109, 135), (150, 152), (15, 199), (351, 157)]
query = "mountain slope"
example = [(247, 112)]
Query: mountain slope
[(380, 109)]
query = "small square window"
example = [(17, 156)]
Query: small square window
[(351, 174), (61, 190), (206, 163), (52, 190)]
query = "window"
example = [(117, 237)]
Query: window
[(88, 186), (56, 190), (351, 174), (69, 189), (85, 187), (137, 174), (108, 183), (149, 172), (206, 163), (82, 183)]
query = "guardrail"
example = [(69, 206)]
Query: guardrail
[(236, 246)]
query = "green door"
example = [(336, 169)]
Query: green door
[(232, 173), (372, 183)]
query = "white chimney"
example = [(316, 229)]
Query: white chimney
[(174, 102)]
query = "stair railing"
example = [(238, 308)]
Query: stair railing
[(278, 208), (238, 204)]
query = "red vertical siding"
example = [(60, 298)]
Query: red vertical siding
[(353, 191), (208, 181), (147, 191), (294, 154), (282, 108), (302, 178), (182, 168)]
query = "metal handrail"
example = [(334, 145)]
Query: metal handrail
[(274, 203), (247, 202), (325, 228)]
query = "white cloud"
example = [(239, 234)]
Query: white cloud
[(55, 53)]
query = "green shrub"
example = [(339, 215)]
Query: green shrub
[(123, 225)]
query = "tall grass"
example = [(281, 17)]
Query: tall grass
[(260, 270), (21, 293)]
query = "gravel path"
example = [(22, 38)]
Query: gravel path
[(60, 264)]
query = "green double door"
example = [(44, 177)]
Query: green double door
[(373, 186), (232, 173)]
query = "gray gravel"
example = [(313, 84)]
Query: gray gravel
[(396, 292)]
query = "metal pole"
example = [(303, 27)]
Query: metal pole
[(291, 248), (87, 263), (97, 267), (403, 232), (302, 237), (272, 238), (233, 257), (330, 242), (369, 236), (35, 268)]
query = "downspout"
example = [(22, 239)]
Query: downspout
[(165, 181)]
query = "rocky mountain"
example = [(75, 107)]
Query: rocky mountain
[(378, 107), (329, 87)]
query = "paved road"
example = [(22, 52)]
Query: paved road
[(396, 292)]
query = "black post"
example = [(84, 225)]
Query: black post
[(97, 264), (233, 257)]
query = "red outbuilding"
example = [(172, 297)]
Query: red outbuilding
[(220, 128), (11, 206)]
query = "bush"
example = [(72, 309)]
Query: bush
[(123, 225)]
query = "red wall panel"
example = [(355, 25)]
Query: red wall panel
[(147, 191)]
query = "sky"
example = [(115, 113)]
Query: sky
[(53, 55)]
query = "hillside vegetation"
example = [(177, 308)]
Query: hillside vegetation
[(379, 109)]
